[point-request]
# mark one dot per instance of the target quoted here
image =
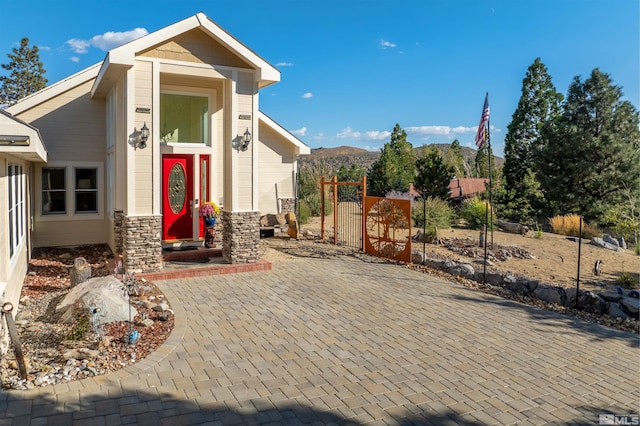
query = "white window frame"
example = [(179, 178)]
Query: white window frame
[(16, 200), (70, 191)]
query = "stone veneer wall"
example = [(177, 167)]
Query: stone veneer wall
[(288, 205), (142, 245), (240, 237), (118, 232)]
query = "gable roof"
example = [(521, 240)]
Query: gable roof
[(301, 147), (122, 58), (30, 147)]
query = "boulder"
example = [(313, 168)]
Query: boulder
[(615, 311), (417, 257), (611, 296), (461, 270), (631, 305), (108, 293), (610, 240), (622, 243), (599, 242)]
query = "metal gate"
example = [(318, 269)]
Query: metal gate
[(388, 228), (375, 225), (346, 201)]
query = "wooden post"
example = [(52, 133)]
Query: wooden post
[(335, 210), (15, 339), (322, 208), (364, 212)]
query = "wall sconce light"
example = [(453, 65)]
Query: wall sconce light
[(246, 140), (144, 135)]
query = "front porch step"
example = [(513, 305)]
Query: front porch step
[(199, 262)]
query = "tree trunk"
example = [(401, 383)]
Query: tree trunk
[(80, 271)]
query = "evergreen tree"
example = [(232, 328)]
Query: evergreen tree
[(539, 103), (455, 159), (26, 74), (395, 169), (591, 156), (482, 161), (433, 175)]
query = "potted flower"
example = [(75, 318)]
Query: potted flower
[(209, 211)]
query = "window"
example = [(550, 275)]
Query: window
[(86, 191), (54, 195), (16, 207), (71, 190), (184, 118)]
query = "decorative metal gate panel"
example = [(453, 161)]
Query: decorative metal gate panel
[(388, 228), (345, 199)]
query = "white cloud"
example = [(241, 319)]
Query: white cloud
[(439, 130), (371, 135), (111, 39), (300, 132), (74, 59), (385, 44), (284, 64), (307, 95), (78, 46), (106, 41)]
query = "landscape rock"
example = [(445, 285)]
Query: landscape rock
[(107, 292), (631, 305), (610, 240), (611, 296), (615, 311), (599, 242), (161, 307), (622, 243), (81, 353), (462, 270)]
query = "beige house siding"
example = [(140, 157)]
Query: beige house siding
[(72, 124), (195, 46), (74, 128), (143, 179), (246, 90), (12, 270), (277, 167)]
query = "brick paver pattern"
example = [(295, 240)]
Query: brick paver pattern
[(348, 341)]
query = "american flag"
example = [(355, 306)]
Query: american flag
[(481, 136)]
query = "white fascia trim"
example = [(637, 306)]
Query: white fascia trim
[(54, 90), (266, 71), (302, 147)]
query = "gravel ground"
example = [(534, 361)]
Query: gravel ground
[(46, 344)]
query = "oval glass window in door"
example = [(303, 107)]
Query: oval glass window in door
[(177, 188)]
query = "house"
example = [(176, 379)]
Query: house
[(462, 188), (136, 143)]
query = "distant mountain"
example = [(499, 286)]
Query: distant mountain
[(348, 155)]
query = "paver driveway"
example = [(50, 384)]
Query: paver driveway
[(346, 341)]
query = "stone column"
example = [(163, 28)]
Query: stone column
[(288, 205), (240, 237), (118, 232), (142, 243)]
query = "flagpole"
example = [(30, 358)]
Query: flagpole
[(490, 177)]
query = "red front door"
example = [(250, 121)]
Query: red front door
[(177, 197)]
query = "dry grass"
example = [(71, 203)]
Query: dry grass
[(570, 225)]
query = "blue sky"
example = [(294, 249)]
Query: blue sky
[(352, 69)]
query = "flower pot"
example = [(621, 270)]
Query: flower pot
[(209, 222)]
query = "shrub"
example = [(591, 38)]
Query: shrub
[(439, 214), (570, 225), (626, 280), (81, 326), (474, 211), (304, 212)]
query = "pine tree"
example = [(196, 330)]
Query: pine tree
[(455, 159), (482, 161), (592, 152), (26, 74), (395, 169), (539, 103), (433, 175)]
